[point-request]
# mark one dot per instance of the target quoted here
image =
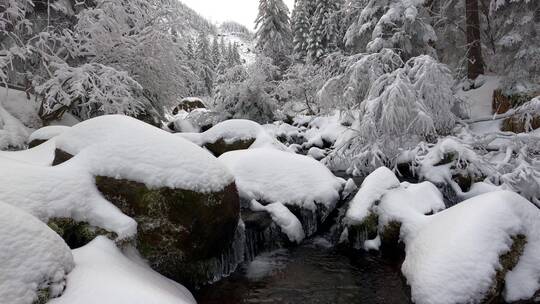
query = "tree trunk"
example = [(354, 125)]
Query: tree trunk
[(475, 65)]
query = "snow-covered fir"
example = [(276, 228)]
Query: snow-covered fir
[(349, 151)]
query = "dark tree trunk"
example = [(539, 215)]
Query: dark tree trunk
[(475, 61)]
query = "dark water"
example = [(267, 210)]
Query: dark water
[(311, 273)]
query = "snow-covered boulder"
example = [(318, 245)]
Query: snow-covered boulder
[(301, 183), (189, 104), (383, 205), (34, 261), (176, 198), (476, 251), (232, 135), (104, 274)]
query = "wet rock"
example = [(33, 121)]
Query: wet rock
[(366, 230), (221, 146), (508, 261), (60, 157), (77, 234), (180, 232)]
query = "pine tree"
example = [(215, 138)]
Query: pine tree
[(216, 53), (322, 37), (207, 72), (190, 49), (301, 23), (274, 36)]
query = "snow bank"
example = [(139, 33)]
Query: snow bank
[(126, 148), (453, 257), (47, 133), (371, 190), (284, 218), (103, 274), (269, 175), (32, 257), (113, 146), (13, 133), (66, 191)]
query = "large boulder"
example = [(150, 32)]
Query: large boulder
[(269, 176), (178, 230), (117, 176)]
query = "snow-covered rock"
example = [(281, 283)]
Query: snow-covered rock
[(104, 274), (383, 205), (124, 176), (42, 135), (232, 135), (467, 253), (34, 261), (302, 184)]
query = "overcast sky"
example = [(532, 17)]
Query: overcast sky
[(241, 11)]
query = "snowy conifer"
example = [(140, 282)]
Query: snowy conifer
[(274, 36), (322, 37), (397, 24)]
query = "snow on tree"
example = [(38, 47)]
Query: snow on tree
[(401, 109), (274, 36), (216, 53), (517, 37), (205, 57), (397, 24), (90, 90), (246, 94), (322, 36), (350, 87), (301, 24)]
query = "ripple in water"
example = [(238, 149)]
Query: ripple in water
[(311, 273)]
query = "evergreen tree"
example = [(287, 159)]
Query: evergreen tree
[(274, 36), (216, 53), (322, 37), (207, 72), (301, 23), (190, 49)]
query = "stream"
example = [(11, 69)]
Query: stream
[(313, 273)]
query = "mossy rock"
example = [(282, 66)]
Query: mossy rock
[(390, 239), (366, 230), (508, 261), (77, 234), (179, 231), (221, 146)]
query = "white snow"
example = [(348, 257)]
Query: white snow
[(123, 147), (372, 189), (316, 153), (103, 274), (47, 133), (32, 257), (113, 146), (269, 175), (454, 255), (350, 188), (324, 129), (284, 218)]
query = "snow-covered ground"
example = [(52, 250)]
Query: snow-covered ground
[(104, 274)]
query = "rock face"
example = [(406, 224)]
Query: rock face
[(179, 231)]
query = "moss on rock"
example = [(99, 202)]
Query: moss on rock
[(77, 234), (178, 230)]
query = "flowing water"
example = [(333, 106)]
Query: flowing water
[(313, 273)]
